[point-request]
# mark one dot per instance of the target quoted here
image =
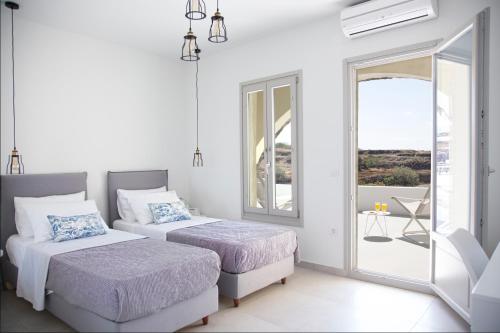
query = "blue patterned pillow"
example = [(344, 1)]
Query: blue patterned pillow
[(65, 228), (169, 212)]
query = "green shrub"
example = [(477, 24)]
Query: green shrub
[(282, 176), (402, 176)]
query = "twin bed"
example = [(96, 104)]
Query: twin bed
[(253, 255), (105, 283)]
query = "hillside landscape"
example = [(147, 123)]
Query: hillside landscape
[(394, 167)]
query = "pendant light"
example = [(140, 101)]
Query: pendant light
[(15, 164), (196, 10), (197, 157), (218, 33), (190, 46)]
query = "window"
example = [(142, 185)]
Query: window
[(270, 150)]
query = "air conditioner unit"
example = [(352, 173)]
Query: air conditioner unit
[(379, 15)]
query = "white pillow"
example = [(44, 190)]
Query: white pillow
[(23, 225), (124, 209), (139, 204), (38, 212)]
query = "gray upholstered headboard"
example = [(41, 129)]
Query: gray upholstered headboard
[(132, 180), (33, 186)]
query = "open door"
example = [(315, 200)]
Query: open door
[(458, 157)]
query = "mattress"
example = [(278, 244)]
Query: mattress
[(16, 248), (242, 246), (129, 280)]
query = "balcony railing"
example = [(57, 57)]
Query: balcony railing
[(368, 195)]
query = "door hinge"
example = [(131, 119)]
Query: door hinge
[(482, 114), (481, 222)]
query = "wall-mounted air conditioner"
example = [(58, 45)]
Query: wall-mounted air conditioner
[(378, 15)]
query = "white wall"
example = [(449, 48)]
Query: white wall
[(319, 50), (89, 105)]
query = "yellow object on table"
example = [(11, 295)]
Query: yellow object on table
[(384, 207), (377, 206)]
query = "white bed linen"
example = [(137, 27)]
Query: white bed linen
[(159, 231), (32, 273), (16, 247)]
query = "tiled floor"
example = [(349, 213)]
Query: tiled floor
[(395, 255), (310, 301)]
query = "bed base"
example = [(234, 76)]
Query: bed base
[(170, 319), (237, 286), (167, 320)]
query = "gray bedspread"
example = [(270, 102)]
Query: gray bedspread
[(241, 245), (133, 279)]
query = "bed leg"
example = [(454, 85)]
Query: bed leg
[(205, 321), (236, 302), (283, 280)]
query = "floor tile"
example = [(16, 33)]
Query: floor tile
[(440, 317), (310, 301)]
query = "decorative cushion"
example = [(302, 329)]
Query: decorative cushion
[(140, 208), (23, 224), (124, 209), (66, 228), (169, 212), (37, 214)]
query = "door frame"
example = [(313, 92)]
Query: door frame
[(350, 157)]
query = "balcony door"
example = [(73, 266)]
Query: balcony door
[(457, 157)]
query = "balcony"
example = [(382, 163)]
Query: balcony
[(397, 254)]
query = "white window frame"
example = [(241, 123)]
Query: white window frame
[(269, 213)]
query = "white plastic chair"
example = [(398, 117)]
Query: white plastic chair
[(414, 207), (471, 252)]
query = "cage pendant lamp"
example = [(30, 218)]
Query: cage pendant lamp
[(15, 163), (196, 10), (190, 46), (218, 32), (197, 156)]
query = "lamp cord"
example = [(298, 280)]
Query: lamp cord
[(13, 75), (217, 5), (197, 113)]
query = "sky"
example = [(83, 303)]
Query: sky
[(395, 114), (285, 135)]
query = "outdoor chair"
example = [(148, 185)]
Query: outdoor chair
[(414, 207)]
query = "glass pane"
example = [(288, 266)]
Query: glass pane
[(256, 148), (452, 146), (453, 136), (282, 131)]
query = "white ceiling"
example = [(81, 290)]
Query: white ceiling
[(159, 25)]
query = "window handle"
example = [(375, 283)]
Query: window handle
[(268, 167)]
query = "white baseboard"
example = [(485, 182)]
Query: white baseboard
[(322, 268)]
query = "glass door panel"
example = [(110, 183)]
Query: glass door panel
[(458, 75), (453, 144)]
